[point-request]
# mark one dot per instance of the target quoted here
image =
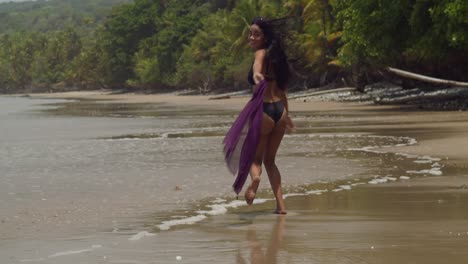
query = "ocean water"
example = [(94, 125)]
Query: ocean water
[(88, 173)]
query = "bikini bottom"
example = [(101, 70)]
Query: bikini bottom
[(274, 110)]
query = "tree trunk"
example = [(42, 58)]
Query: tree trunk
[(423, 78), (322, 92)]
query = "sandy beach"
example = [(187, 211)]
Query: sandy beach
[(420, 217)]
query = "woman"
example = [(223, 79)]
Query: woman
[(265, 116)]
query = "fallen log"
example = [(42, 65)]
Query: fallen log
[(228, 95), (219, 97), (348, 89), (424, 78)]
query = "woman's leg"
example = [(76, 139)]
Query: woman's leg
[(256, 168), (269, 156)]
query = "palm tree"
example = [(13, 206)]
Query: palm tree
[(244, 12), (317, 38)]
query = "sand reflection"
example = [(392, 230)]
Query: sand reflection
[(259, 255)]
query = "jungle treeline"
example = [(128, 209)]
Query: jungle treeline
[(163, 45)]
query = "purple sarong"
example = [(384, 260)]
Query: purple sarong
[(240, 142)]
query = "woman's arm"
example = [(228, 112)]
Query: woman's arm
[(258, 66)]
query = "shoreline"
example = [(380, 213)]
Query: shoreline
[(442, 138)]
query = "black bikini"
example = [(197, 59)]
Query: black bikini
[(274, 109)]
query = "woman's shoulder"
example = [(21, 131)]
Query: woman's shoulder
[(260, 53)]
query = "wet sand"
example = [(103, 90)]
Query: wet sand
[(384, 224), (420, 220)]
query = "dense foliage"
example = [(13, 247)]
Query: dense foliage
[(202, 44), (51, 15)]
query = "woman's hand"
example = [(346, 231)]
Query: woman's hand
[(290, 127)]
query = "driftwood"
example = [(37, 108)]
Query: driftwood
[(444, 95), (219, 97), (423, 78), (228, 95), (322, 92)]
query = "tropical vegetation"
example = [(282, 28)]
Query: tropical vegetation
[(161, 45)]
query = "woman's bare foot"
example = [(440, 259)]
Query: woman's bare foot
[(251, 191)]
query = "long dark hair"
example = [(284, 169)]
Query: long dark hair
[(276, 58)]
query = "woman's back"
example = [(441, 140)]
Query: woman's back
[(273, 93)]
